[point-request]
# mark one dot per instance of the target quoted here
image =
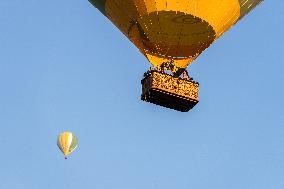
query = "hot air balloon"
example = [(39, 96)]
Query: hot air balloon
[(67, 142), (171, 34)]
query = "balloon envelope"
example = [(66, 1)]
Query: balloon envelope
[(174, 30), (67, 142)]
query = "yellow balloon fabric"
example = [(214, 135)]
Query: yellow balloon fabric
[(67, 142), (174, 30)]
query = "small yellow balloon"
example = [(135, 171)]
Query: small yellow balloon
[(67, 142)]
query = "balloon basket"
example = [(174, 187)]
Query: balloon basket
[(171, 92)]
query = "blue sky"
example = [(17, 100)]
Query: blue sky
[(63, 66)]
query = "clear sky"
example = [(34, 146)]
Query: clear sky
[(64, 66)]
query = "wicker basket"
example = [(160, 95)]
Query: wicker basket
[(168, 91)]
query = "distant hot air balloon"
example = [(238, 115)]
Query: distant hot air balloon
[(67, 142), (171, 34)]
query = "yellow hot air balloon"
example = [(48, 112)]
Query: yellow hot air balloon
[(171, 34), (67, 142)]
